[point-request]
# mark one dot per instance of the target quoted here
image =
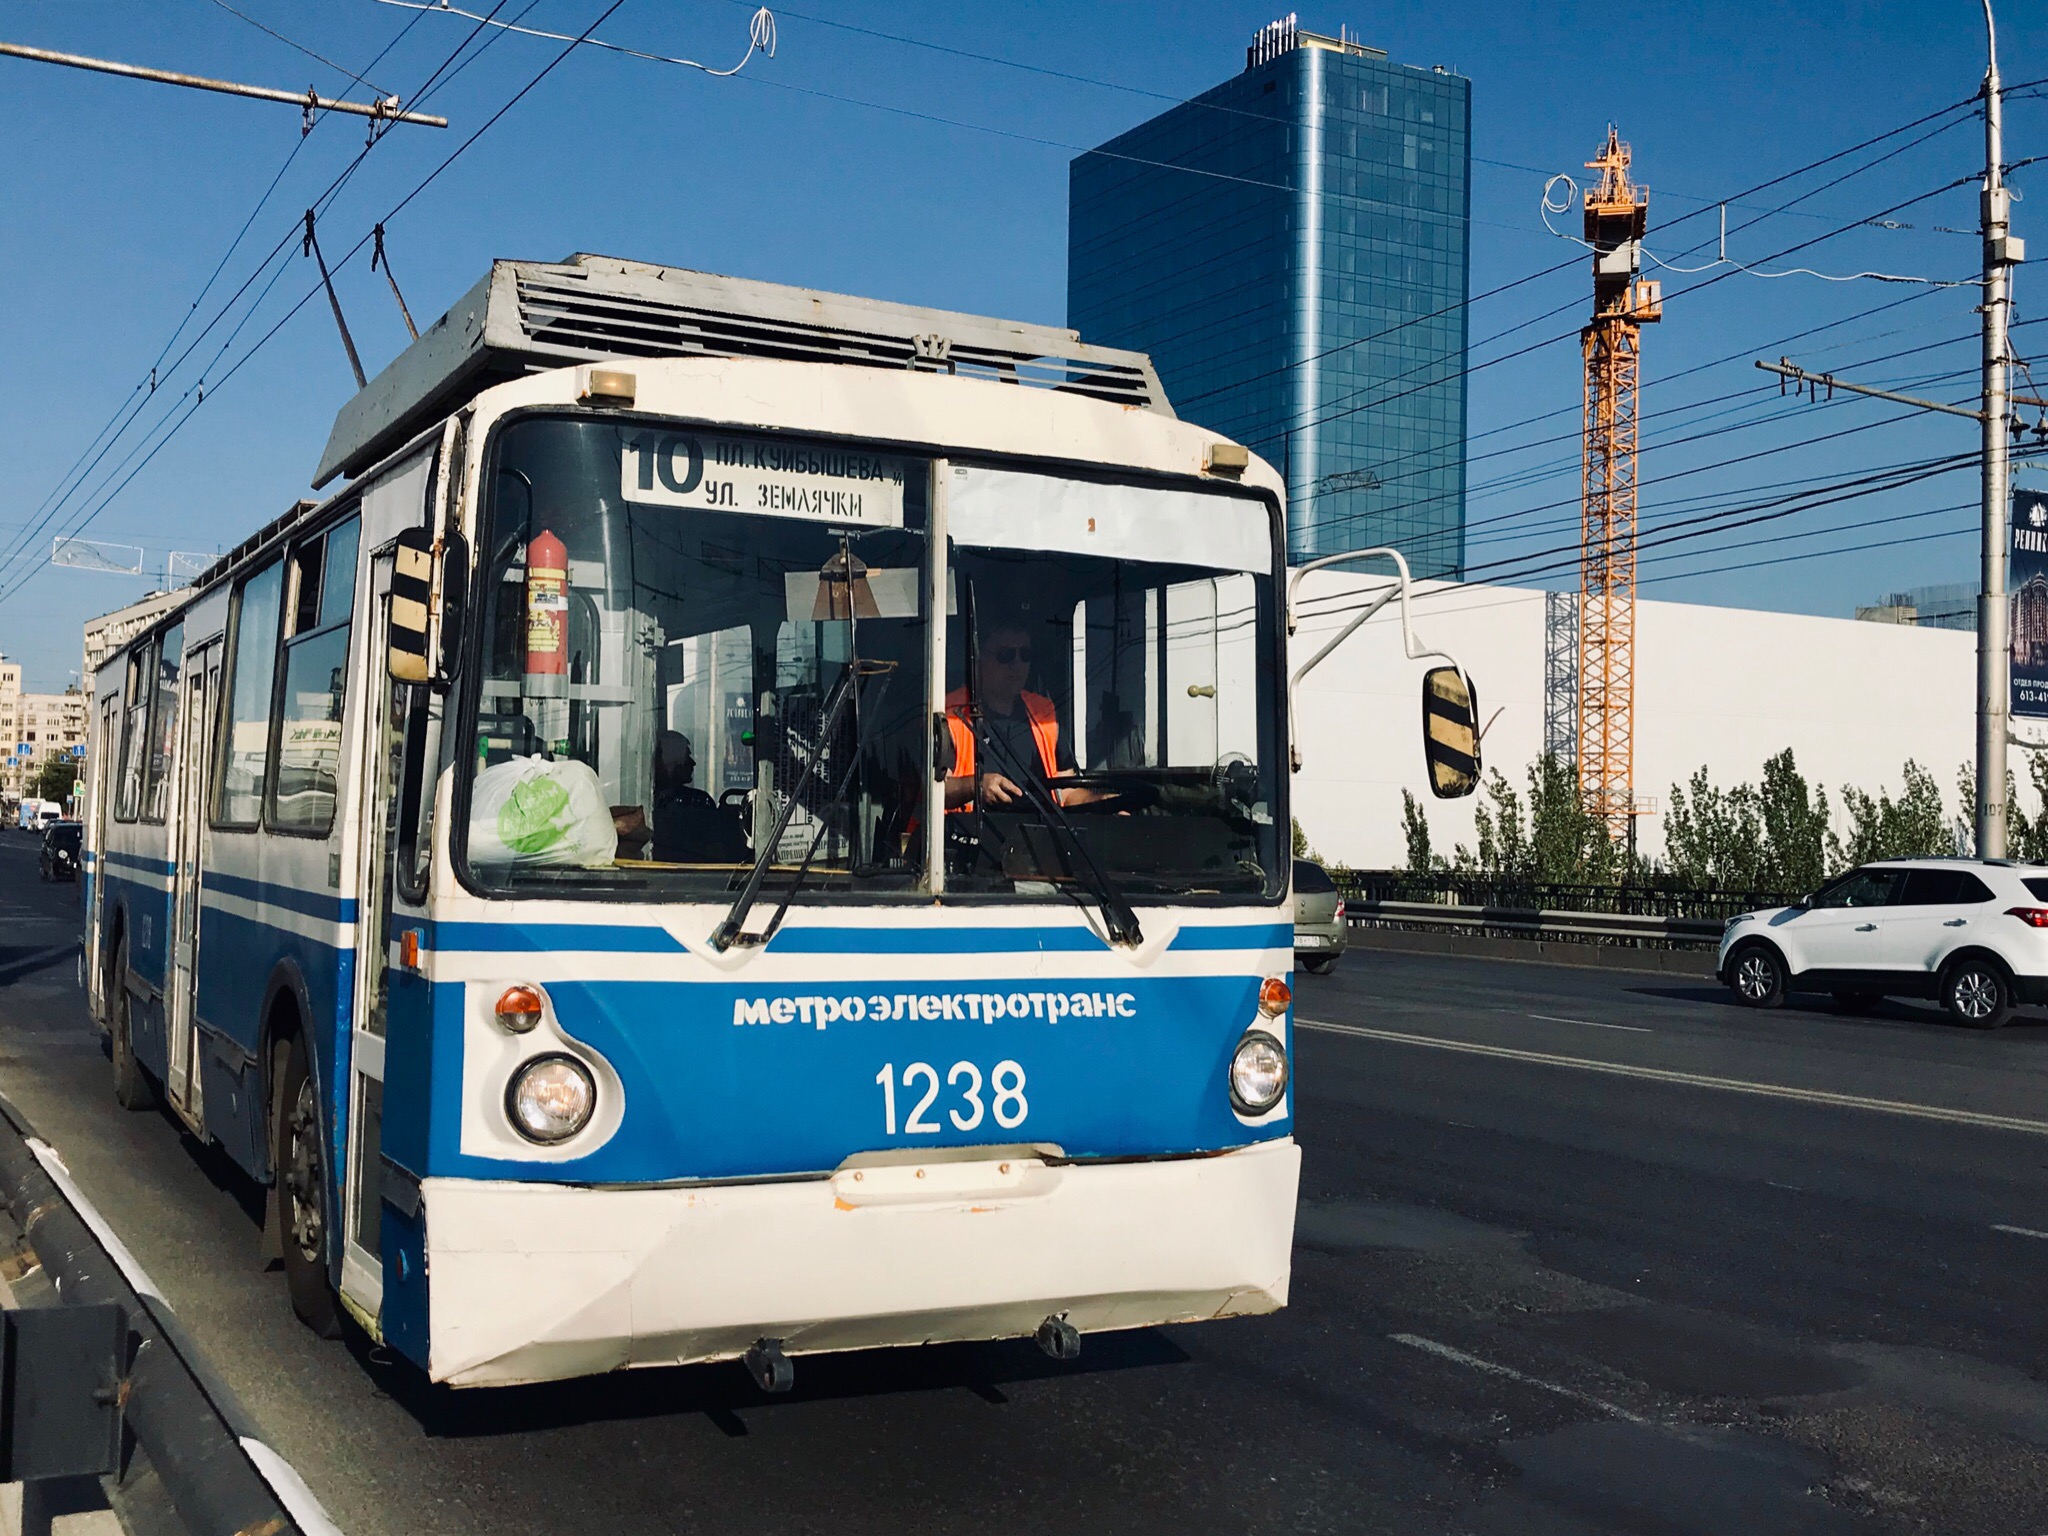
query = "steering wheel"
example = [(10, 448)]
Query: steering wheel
[(729, 798), (1237, 776)]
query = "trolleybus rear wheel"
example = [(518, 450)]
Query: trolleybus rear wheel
[(132, 1087), (303, 1206)]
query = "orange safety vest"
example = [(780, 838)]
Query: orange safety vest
[(1045, 733)]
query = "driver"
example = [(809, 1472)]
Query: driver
[(1012, 718)]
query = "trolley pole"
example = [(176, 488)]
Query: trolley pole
[(1994, 654)]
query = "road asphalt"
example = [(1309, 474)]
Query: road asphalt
[(1578, 1251)]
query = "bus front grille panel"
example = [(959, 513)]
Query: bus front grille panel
[(573, 323)]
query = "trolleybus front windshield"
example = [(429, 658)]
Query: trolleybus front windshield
[(700, 648)]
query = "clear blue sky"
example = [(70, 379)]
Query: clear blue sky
[(817, 168)]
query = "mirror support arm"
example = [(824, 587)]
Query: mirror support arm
[(1414, 650)]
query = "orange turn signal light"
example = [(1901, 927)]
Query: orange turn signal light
[(1274, 996), (520, 1008)]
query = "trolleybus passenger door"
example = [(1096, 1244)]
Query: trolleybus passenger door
[(188, 821), (362, 1270), (101, 751)]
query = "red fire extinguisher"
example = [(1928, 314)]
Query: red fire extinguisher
[(547, 606)]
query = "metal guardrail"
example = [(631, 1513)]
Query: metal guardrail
[(217, 1471), (1463, 888), (1536, 923)]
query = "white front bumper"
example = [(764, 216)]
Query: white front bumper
[(532, 1282)]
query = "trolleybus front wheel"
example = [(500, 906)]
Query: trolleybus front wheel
[(302, 1203)]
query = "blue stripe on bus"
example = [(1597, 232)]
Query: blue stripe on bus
[(335, 909), (1236, 936), (541, 938), (137, 861)]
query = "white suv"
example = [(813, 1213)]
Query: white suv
[(1971, 932)]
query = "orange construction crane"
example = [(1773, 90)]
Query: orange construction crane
[(1617, 212)]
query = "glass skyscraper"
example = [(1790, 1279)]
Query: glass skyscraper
[(1291, 247)]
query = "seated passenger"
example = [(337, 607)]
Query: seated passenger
[(689, 828)]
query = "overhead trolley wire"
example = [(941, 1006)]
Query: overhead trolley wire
[(158, 375), (151, 381), (48, 513), (15, 585)]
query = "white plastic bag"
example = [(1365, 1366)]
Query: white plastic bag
[(531, 811)]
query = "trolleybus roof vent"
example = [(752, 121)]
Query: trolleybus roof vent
[(529, 315)]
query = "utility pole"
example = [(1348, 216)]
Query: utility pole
[(2002, 252), (386, 110), (1994, 653)]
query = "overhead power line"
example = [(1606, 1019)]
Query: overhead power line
[(318, 58), (421, 186), (158, 375)]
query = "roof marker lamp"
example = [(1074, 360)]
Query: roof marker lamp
[(550, 1099), (1258, 1073), (520, 1008), (606, 386)]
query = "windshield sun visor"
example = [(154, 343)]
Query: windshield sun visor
[(1018, 510)]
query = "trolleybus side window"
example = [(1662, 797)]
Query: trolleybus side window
[(135, 730), (245, 734), (306, 751), (169, 655), (699, 647)]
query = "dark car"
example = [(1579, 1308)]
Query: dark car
[(59, 858)]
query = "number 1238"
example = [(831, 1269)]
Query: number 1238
[(965, 1107)]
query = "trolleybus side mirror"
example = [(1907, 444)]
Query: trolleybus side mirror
[(1450, 732), (412, 591)]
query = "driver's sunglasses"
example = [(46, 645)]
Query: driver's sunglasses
[(1010, 655)]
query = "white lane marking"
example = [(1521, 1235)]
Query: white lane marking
[(300, 1502), (130, 1267), (1693, 1079), (1551, 1018), (1459, 1357), (1999, 1226)]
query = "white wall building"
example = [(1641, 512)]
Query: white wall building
[(1721, 687)]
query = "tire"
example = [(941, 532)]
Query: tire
[(132, 1087), (303, 1203), (1319, 965), (1976, 993), (1757, 976)]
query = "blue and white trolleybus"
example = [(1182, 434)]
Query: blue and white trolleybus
[(753, 823)]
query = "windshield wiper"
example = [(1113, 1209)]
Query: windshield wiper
[(1117, 914), (728, 933)]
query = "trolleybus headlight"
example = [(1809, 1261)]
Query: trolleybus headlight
[(1258, 1073), (1274, 996), (551, 1098), (519, 1008)]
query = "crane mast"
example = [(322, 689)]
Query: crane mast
[(1617, 214)]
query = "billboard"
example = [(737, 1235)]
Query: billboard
[(2027, 588)]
